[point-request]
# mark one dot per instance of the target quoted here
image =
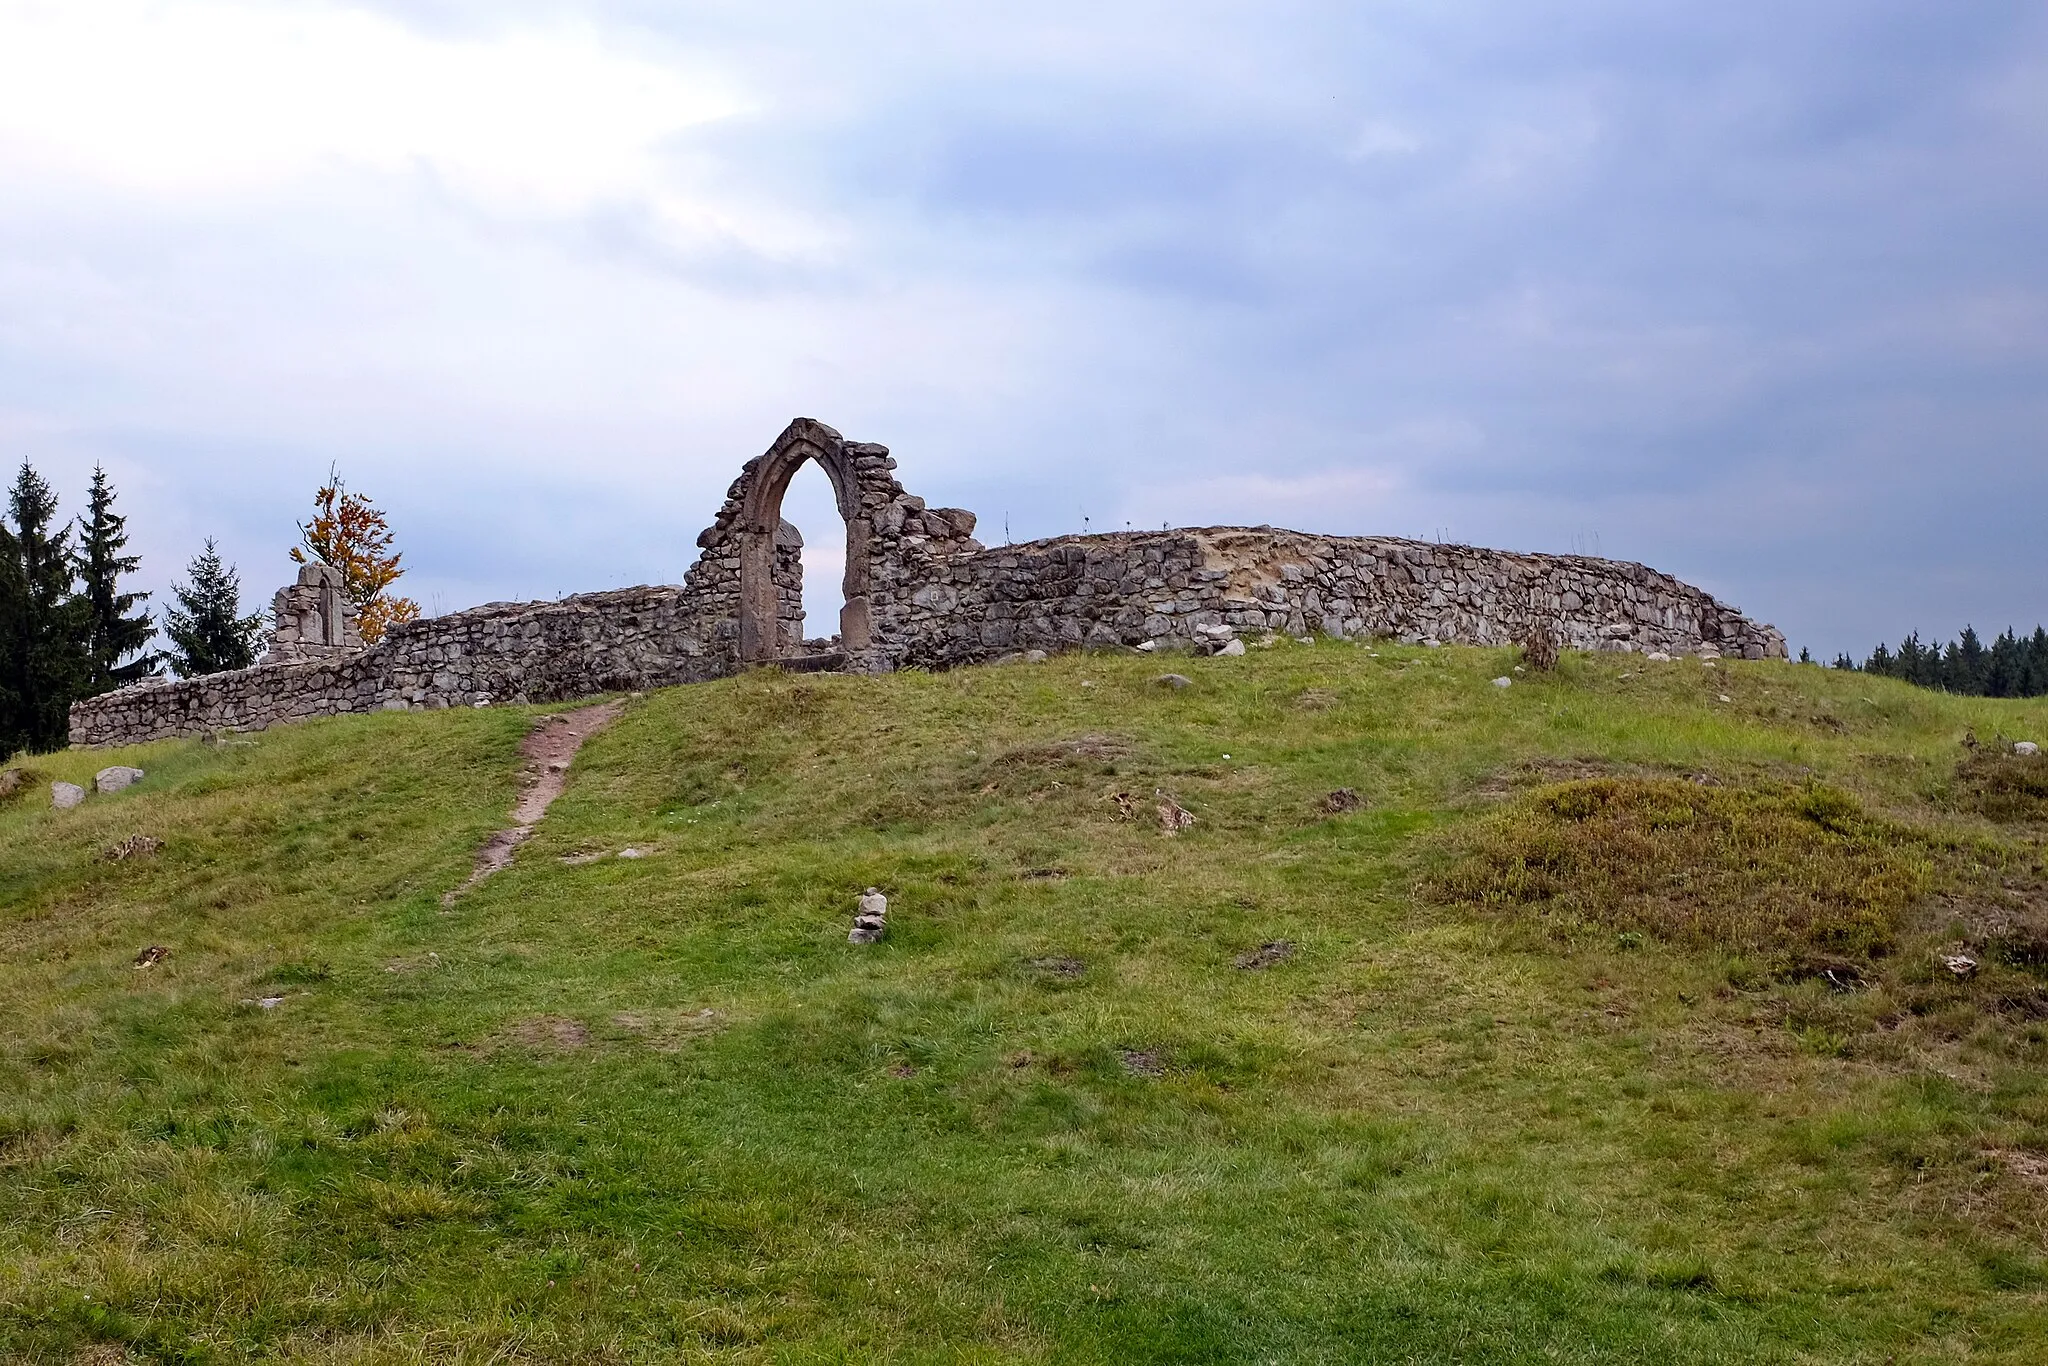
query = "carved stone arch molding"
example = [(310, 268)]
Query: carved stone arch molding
[(760, 517)]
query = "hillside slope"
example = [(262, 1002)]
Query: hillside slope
[(1610, 1024)]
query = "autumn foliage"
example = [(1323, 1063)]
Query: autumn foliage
[(349, 533)]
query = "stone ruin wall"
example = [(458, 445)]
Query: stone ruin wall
[(618, 641), (923, 593), (1199, 587)]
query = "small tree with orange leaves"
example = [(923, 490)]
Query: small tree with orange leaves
[(349, 533)]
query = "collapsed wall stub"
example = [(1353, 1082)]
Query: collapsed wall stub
[(921, 592), (312, 618)]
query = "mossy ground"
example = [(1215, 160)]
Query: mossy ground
[(659, 1110)]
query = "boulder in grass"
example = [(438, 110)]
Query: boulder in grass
[(116, 779), (64, 796), (2026, 749)]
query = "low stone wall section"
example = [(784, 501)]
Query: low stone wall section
[(631, 638), (1126, 588)]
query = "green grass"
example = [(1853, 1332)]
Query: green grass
[(659, 1110)]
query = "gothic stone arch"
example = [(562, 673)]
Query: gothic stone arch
[(749, 579), (761, 526)]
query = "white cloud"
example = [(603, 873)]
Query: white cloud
[(203, 95)]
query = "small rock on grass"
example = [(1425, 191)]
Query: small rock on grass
[(2026, 749), (1503, 682), (1960, 964), (1233, 647), (1174, 681), (65, 796)]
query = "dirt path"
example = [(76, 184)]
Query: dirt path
[(548, 749)]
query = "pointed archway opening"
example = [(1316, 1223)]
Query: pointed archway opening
[(771, 557), (812, 530)]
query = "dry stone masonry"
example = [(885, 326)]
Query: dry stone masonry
[(313, 620), (920, 592)]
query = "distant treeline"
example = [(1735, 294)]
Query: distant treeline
[(2011, 666)]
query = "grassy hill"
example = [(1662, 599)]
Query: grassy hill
[(1611, 1025)]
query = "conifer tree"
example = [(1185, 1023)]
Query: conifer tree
[(1964, 666), (208, 632), (13, 630), (2004, 666), (42, 621), (114, 629)]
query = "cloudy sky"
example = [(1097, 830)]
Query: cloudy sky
[(1756, 293)]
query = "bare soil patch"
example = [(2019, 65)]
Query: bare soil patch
[(556, 1033), (1142, 1062), (1269, 954), (669, 1031), (549, 748)]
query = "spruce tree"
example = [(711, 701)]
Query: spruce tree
[(208, 633), (115, 630), (2004, 666), (1965, 674), (2036, 684), (44, 638), (13, 631)]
